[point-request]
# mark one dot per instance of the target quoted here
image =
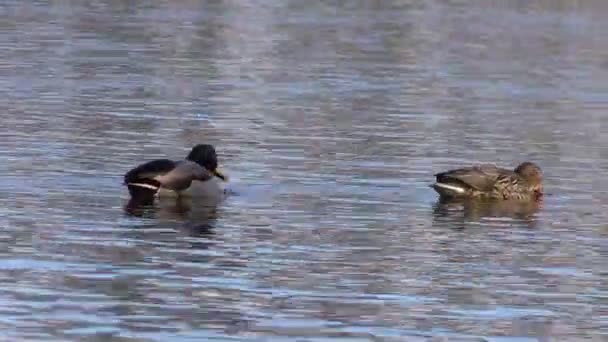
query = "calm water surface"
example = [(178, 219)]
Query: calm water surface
[(330, 117)]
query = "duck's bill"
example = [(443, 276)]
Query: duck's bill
[(220, 175)]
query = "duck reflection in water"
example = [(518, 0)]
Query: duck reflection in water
[(199, 216), (462, 210)]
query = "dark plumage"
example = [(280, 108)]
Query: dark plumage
[(145, 180), (489, 181), (151, 168)]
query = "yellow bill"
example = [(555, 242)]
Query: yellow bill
[(219, 174)]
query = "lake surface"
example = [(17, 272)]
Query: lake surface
[(330, 117)]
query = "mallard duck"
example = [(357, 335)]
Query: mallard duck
[(489, 181), (197, 171)]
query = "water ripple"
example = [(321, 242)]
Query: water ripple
[(330, 119)]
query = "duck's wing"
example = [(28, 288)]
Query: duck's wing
[(481, 177), (148, 173)]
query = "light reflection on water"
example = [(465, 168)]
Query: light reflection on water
[(330, 119)]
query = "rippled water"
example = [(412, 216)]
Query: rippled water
[(330, 118)]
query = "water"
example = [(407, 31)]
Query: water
[(330, 118)]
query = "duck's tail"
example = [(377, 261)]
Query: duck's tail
[(143, 190)]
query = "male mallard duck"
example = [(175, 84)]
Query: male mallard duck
[(168, 176), (489, 181)]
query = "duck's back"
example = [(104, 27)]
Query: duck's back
[(149, 170), (480, 178)]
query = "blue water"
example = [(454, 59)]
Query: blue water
[(330, 119)]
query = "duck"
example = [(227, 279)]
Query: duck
[(525, 182), (196, 175)]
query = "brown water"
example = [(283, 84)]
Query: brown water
[(331, 118)]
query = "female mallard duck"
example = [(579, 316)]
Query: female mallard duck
[(489, 181), (193, 176)]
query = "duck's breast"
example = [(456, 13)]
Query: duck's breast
[(210, 188)]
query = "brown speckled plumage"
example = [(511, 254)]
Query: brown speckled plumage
[(489, 181)]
